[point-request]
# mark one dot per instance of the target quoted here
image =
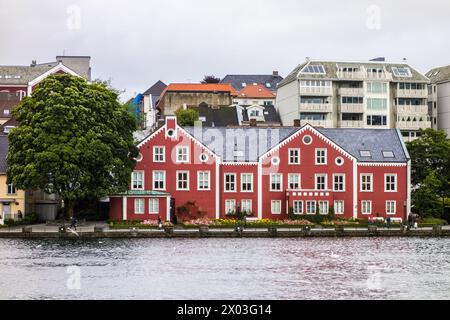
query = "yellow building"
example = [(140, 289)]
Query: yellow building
[(12, 201)]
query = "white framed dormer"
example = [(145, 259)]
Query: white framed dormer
[(55, 69)]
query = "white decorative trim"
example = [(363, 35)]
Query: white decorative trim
[(239, 163), (382, 164), (218, 188), (59, 67), (168, 208), (151, 136), (408, 188), (260, 190), (299, 132), (124, 208), (355, 189)]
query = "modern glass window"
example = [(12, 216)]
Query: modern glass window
[(11, 189), (339, 182), (366, 183), (315, 84), (182, 180), (153, 206), (366, 207), (246, 206), (339, 206), (159, 154), (352, 100), (401, 72), (321, 181), (276, 206), (297, 206), (294, 181), (203, 180), (311, 207), (294, 156), (391, 207), (230, 206), (388, 154), (323, 207), (365, 153), (390, 183), (183, 154), (321, 156), (246, 182), (159, 180), (230, 182), (137, 180), (275, 182), (376, 104), (376, 120), (139, 206), (377, 87)]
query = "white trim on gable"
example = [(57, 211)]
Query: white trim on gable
[(298, 133), (59, 67)]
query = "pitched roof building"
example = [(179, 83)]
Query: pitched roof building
[(240, 81), (439, 98)]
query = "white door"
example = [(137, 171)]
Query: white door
[(6, 212)]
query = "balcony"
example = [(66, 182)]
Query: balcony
[(352, 108), (351, 124), (378, 76), (344, 75), (411, 93), (316, 91), (317, 123), (316, 107), (420, 109), (413, 125), (351, 91)]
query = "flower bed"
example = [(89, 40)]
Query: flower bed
[(147, 224), (231, 223)]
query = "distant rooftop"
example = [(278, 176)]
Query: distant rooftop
[(441, 74), (239, 81)]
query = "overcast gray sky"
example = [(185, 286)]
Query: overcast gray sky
[(136, 42)]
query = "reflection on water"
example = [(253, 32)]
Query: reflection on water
[(328, 268)]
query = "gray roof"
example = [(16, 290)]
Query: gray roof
[(331, 68), (441, 74), (4, 145), (253, 142), (270, 114), (22, 75), (218, 116), (237, 80), (156, 89)]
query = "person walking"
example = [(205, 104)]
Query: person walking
[(160, 225), (410, 221), (73, 223)]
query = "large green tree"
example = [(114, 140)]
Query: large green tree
[(186, 117), (74, 139), (430, 159)]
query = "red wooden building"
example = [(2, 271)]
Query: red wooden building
[(265, 171)]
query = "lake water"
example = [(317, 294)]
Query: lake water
[(314, 268)]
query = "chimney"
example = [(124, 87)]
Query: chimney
[(297, 123), (275, 73), (253, 122), (33, 63)]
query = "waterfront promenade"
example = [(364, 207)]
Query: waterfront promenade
[(102, 230)]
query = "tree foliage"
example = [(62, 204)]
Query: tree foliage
[(74, 139), (210, 79), (186, 117), (430, 161)]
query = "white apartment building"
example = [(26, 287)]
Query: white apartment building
[(439, 98), (344, 94)]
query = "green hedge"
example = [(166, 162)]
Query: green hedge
[(30, 218)]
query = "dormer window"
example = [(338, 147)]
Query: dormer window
[(365, 153), (268, 85), (254, 113), (388, 154)]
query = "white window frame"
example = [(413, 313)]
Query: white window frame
[(281, 182), (364, 207), (178, 180), (133, 179), (361, 182), (386, 183), (327, 206), (199, 180), (290, 175), (324, 157), (154, 180), (155, 154), (136, 206), (291, 150), (389, 204), (234, 183), (153, 206), (339, 212), (296, 207), (307, 207), (248, 201), (317, 175), (227, 206), (272, 206), (242, 182), (11, 189), (182, 151), (343, 182)]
